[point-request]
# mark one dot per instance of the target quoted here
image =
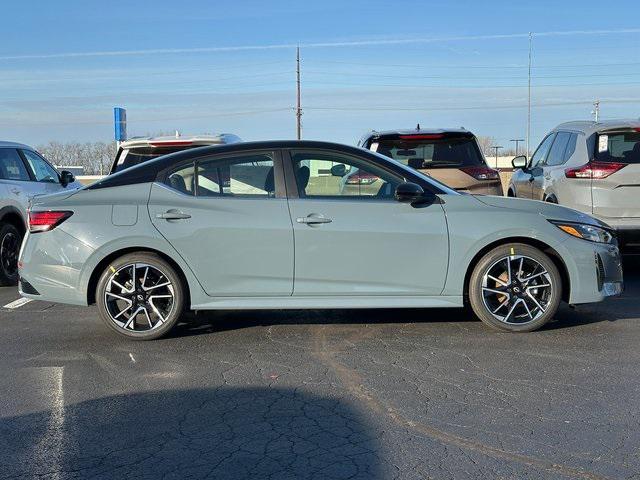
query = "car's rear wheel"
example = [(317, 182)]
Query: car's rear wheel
[(140, 296), (10, 240), (515, 287)]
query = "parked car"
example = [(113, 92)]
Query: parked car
[(23, 174), (140, 149), (451, 156), (169, 234), (593, 167)]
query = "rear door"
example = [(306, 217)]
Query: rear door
[(616, 193), (228, 219), (353, 239)]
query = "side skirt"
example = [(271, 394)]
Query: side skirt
[(277, 303)]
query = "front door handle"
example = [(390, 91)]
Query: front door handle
[(173, 215), (313, 219), (531, 178)]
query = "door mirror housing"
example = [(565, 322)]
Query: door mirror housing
[(520, 162), (339, 170), (66, 177), (408, 192)]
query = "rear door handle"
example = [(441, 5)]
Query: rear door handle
[(173, 215), (313, 219)]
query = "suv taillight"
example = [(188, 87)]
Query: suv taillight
[(45, 221), (595, 170), (481, 173)]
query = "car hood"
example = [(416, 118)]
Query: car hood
[(548, 210)]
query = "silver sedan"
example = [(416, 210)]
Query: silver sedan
[(274, 225)]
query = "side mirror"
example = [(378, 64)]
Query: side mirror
[(66, 177), (519, 162), (408, 192), (339, 170)]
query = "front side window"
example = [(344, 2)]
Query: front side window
[(42, 171), (11, 165), (541, 153), (332, 175), (556, 154)]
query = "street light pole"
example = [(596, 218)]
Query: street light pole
[(529, 100), (496, 147), (517, 140)]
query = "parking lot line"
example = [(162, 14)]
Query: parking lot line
[(17, 303)]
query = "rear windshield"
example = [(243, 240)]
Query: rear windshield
[(436, 153), (623, 147), (133, 156)]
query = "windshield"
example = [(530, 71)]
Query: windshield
[(129, 157), (622, 147), (432, 153)]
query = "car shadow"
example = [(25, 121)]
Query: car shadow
[(224, 432), (216, 321)]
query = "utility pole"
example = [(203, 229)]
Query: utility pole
[(298, 105), (517, 140), (529, 100), (496, 147), (596, 110)]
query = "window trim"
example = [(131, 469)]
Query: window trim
[(278, 174), (292, 185)]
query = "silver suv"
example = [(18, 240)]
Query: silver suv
[(593, 167), (24, 173)]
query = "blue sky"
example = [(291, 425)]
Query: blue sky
[(212, 66)]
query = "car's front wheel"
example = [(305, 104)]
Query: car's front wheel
[(10, 240), (515, 287), (140, 296)]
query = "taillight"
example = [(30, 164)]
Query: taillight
[(45, 221), (171, 143), (595, 170), (423, 136), (481, 173)]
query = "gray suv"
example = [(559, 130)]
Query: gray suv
[(24, 173), (593, 167)]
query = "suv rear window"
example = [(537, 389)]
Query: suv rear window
[(421, 153), (623, 147), (129, 157)]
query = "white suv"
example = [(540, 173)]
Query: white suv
[(140, 149), (24, 173)]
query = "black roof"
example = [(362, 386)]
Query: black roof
[(148, 171)]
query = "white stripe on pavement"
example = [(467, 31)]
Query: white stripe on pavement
[(17, 303)]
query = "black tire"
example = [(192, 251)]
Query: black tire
[(510, 194), (517, 292), (10, 241), (105, 301)]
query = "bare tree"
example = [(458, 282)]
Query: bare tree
[(485, 144), (94, 157)]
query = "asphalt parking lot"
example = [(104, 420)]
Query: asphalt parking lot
[(323, 394)]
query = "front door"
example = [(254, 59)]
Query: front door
[(228, 218), (353, 238)]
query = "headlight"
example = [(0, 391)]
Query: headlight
[(586, 232)]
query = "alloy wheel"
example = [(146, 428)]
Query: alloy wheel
[(139, 297), (9, 254), (517, 289)]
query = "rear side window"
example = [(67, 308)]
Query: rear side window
[(11, 165), (247, 175), (183, 179), (623, 147), (571, 147), (556, 154), (431, 153)]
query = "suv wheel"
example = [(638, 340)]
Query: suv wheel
[(140, 296), (10, 241), (515, 287)]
